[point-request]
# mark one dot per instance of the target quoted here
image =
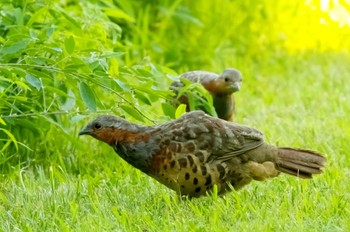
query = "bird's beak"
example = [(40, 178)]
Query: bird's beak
[(236, 86), (85, 131)]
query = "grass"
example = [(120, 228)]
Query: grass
[(86, 203), (299, 101), (294, 91)]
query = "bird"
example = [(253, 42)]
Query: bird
[(196, 152), (221, 87)]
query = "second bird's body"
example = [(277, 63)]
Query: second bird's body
[(220, 86)]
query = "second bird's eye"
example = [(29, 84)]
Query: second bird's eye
[(97, 126), (226, 79)]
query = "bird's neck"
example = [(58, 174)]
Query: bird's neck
[(133, 143), (224, 106), (136, 149)]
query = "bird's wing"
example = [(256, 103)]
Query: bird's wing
[(193, 76), (199, 76), (220, 138), (241, 140)]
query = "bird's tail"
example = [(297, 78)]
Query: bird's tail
[(299, 162)]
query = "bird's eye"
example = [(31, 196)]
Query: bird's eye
[(226, 79), (97, 126)]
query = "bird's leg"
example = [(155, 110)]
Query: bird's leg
[(262, 171)]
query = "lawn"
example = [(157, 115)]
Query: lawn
[(55, 181)]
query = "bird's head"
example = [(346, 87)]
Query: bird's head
[(230, 80), (111, 129)]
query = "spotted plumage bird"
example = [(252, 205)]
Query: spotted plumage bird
[(196, 151), (221, 87)]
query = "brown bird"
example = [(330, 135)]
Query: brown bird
[(221, 87), (196, 151)]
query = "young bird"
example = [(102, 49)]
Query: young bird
[(221, 87), (196, 151)]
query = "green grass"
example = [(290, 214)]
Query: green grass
[(86, 203), (301, 102), (295, 90)]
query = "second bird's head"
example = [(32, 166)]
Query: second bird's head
[(230, 80)]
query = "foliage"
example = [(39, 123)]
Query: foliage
[(64, 62), (56, 63)]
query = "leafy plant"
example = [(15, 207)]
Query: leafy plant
[(54, 72), (62, 62)]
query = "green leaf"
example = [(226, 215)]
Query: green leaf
[(122, 85), (54, 123), (42, 73), (22, 84), (14, 47), (70, 101), (192, 97), (181, 109), (11, 136), (142, 98), (2, 121), (36, 16), (163, 69), (77, 118), (18, 71), (69, 44), (208, 107), (33, 81), (198, 97), (168, 110), (187, 17), (62, 91), (31, 125), (113, 67), (88, 96), (70, 19), (133, 112), (112, 54), (8, 142), (143, 72), (59, 50), (118, 14)]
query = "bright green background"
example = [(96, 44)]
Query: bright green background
[(64, 62)]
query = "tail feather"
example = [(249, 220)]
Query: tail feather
[(299, 162), (293, 173)]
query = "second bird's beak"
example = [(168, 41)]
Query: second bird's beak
[(236, 86), (85, 131)]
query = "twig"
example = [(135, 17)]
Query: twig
[(115, 92), (51, 113), (76, 75)]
